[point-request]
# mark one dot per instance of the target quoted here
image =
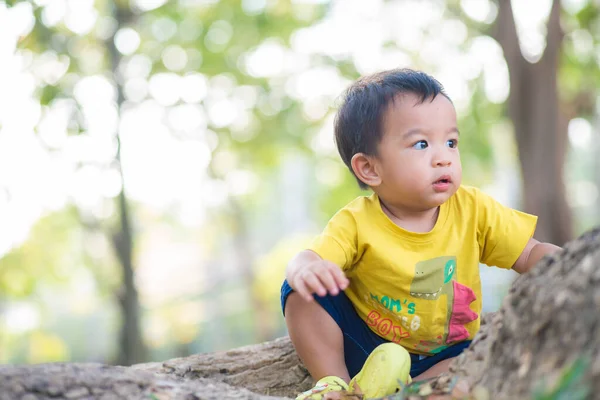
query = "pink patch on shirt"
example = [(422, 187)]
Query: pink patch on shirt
[(461, 313)]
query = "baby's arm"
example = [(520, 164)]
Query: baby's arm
[(533, 252), (308, 273)]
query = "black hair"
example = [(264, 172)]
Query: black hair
[(359, 121)]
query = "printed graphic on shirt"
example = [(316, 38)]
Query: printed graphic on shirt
[(434, 278), (386, 326), (392, 304), (392, 325)]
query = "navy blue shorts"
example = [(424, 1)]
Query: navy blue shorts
[(360, 340)]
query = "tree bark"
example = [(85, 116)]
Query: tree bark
[(547, 323), (251, 372), (540, 127)]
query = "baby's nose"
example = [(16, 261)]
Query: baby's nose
[(442, 162)]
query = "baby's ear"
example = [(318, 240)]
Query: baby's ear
[(364, 169)]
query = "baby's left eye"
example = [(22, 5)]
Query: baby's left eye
[(421, 145), (452, 143)]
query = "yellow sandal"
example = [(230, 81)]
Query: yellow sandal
[(323, 386), (386, 371)]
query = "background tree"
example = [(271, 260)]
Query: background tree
[(133, 348), (539, 122), (546, 93)]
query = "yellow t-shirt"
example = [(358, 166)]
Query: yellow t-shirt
[(422, 290)]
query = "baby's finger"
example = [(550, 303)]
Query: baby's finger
[(328, 280), (314, 284), (338, 275), (302, 290)]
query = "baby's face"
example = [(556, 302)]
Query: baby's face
[(418, 156)]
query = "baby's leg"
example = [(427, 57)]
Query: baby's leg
[(317, 338), (429, 367), (435, 370)]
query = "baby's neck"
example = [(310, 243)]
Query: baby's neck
[(421, 221)]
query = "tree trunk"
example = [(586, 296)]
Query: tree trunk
[(547, 329), (251, 372), (540, 128), (132, 348), (246, 260)]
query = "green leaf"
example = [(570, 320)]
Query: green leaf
[(570, 385), (48, 93)]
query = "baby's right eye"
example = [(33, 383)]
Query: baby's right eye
[(421, 145)]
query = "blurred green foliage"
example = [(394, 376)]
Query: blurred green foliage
[(217, 37)]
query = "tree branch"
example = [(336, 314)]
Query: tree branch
[(505, 33), (555, 34)]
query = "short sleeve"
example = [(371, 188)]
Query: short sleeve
[(338, 242), (503, 232)]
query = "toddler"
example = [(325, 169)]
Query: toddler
[(391, 287)]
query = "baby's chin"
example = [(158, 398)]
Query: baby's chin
[(422, 200), (439, 198)]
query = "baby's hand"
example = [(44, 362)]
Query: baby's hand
[(320, 277)]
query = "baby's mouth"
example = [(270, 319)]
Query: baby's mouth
[(442, 180)]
